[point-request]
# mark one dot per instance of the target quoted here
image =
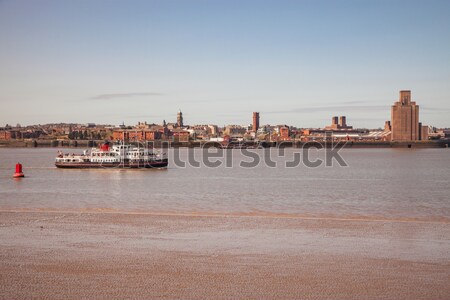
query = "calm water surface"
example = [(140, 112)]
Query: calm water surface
[(378, 183)]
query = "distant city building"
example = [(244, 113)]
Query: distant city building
[(255, 126), (264, 129), (387, 126), (235, 130), (180, 135), (423, 132), (339, 123), (142, 125), (284, 133), (216, 139), (180, 119), (5, 135), (405, 119), (213, 129)]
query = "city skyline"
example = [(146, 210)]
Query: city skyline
[(297, 63)]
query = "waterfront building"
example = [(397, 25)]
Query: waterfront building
[(405, 119), (138, 134), (5, 135), (423, 132)]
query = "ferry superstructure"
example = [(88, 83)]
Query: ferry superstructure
[(117, 156)]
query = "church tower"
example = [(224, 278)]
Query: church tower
[(180, 119)]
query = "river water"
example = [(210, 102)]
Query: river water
[(394, 184)]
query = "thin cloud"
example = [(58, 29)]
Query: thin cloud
[(122, 95), (346, 108), (145, 116), (436, 109), (195, 101), (354, 102), (367, 119)]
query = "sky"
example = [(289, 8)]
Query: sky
[(296, 62)]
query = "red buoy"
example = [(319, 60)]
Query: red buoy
[(19, 172)]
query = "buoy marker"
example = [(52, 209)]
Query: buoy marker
[(19, 172)]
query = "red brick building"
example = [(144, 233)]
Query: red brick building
[(255, 125), (284, 133), (5, 135), (180, 135), (140, 135)]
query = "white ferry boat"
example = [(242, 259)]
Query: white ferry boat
[(117, 156)]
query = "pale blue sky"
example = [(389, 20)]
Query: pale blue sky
[(297, 62)]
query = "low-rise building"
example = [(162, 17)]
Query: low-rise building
[(180, 135), (235, 130), (5, 135)]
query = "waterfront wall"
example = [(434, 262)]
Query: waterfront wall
[(194, 144)]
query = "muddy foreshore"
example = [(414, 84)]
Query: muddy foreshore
[(74, 255)]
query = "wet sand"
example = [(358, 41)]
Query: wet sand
[(73, 255)]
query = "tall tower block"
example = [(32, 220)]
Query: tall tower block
[(335, 122), (343, 121), (255, 121), (405, 118)]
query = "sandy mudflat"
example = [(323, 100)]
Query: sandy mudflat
[(46, 255)]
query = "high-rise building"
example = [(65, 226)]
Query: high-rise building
[(180, 119), (255, 126), (334, 122), (343, 121), (405, 119), (339, 123)]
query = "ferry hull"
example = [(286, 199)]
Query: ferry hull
[(156, 164)]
